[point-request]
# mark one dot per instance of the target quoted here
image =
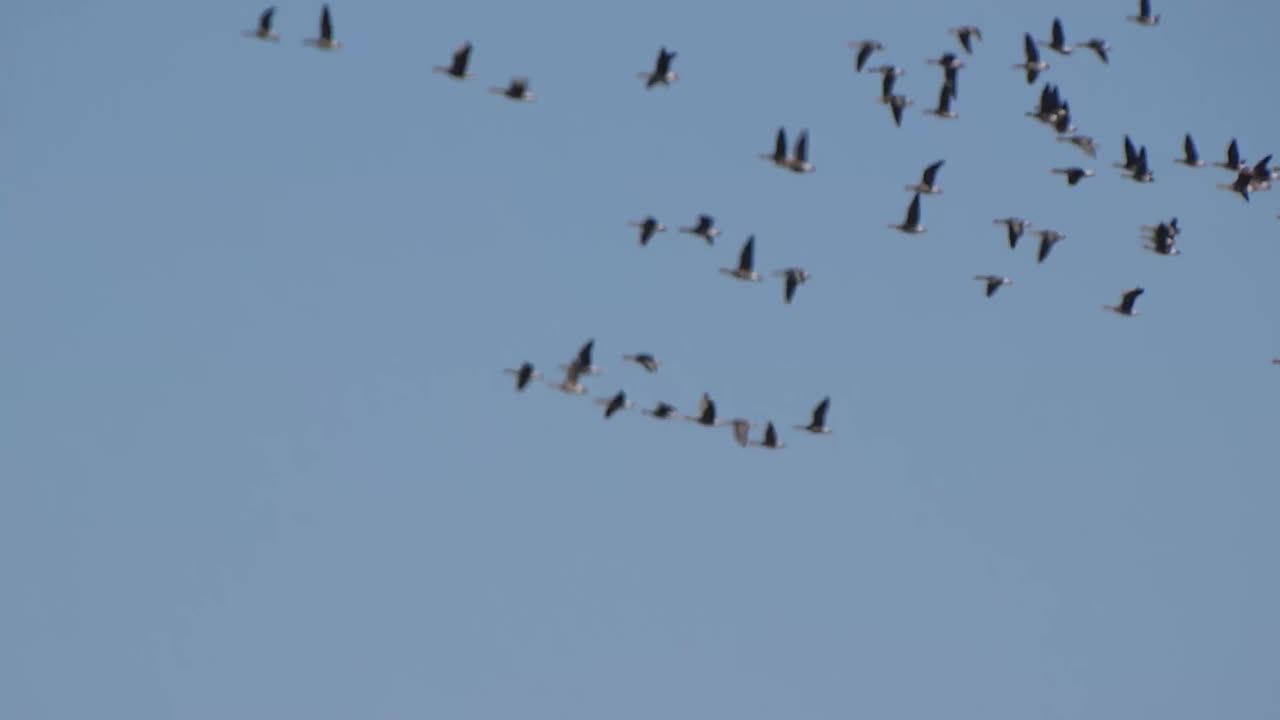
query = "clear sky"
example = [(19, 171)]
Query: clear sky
[(258, 458)]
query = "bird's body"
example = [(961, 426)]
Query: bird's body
[(570, 385), (706, 412), (523, 375), (818, 422), (644, 360), (1160, 239), (264, 31), (1141, 171), (1233, 161), (648, 228), (326, 40), (993, 282), (581, 363), (661, 411), (1058, 39), (1242, 184), (517, 89), (705, 229), (1126, 303), (911, 224), (662, 74), (613, 404), (1074, 174), (770, 439), (1016, 226), (746, 262), (1190, 155), (457, 68)]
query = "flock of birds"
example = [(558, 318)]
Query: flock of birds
[(1052, 110)]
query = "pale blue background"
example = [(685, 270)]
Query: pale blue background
[(259, 460)]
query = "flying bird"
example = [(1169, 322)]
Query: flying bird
[(1087, 144), (928, 180), (965, 34), (1234, 162), (705, 229), (951, 71), (911, 225), (943, 110), (1161, 238), (523, 375), (865, 48), (746, 262), (1140, 171), (570, 384), (1074, 174), (1050, 105), (1048, 238), (662, 74), (1099, 46), (263, 31), (1243, 181), (661, 411), (994, 282), (799, 161), (779, 155), (706, 412), (792, 279), (1062, 119), (457, 68), (648, 228), (325, 41), (818, 423), (1033, 64), (1130, 155), (1126, 303), (1058, 42), (1190, 155), (581, 363), (1016, 226), (1144, 16), (770, 440), (614, 404), (741, 431), (897, 104), (889, 77), (517, 89), (644, 360)]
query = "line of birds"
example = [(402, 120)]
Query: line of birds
[(583, 364)]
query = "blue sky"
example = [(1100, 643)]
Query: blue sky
[(259, 458)]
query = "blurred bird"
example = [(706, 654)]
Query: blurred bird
[(662, 74), (911, 225), (1144, 16), (818, 423), (325, 41), (457, 68), (994, 282), (1016, 227), (517, 89), (1126, 303), (263, 31), (648, 228), (523, 375), (746, 262)]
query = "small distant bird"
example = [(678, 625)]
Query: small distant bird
[(1243, 181), (911, 225), (779, 155), (705, 229), (994, 282), (943, 110), (661, 411), (581, 363), (865, 48), (818, 423), (965, 34), (1144, 16), (1084, 142), (1016, 226), (897, 104), (325, 41), (570, 384), (889, 77), (1074, 174), (648, 228), (746, 262), (1099, 46), (1130, 155), (793, 278), (1141, 172), (1126, 303), (741, 431), (1190, 155), (1048, 238), (1062, 119), (1050, 105), (263, 31), (457, 68), (1260, 175), (1234, 162), (662, 74), (799, 162), (1058, 42), (706, 412), (614, 404), (770, 440), (1033, 65), (644, 360), (928, 180), (1161, 238), (517, 89), (950, 65), (524, 374)]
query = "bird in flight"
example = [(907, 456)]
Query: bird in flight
[(928, 180), (1016, 226), (1126, 303), (644, 360), (911, 224), (994, 282), (614, 404), (662, 74), (517, 89), (326, 40), (793, 278), (1144, 16), (865, 48), (966, 34), (1033, 64), (648, 228), (1190, 155), (746, 262), (523, 375), (263, 31), (818, 423), (770, 440), (705, 229), (457, 69)]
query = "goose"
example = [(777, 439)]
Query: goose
[(1144, 16), (614, 404), (1233, 162), (1161, 239), (741, 431), (325, 41), (1074, 174), (1130, 155), (517, 90), (1243, 181), (1016, 226), (1126, 303), (746, 262), (865, 48), (818, 423), (779, 155), (889, 77), (457, 69), (897, 104), (1033, 64), (1084, 142), (793, 278), (994, 282), (1050, 105), (799, 162), (661, 411), (928, 180), (1190, 155), (644, 360), (1048, 238), (570, 384), (705, 229), (1260, 175), (1099, 46), (1062, 120), (943, 110), (1141, 172), (523, 375), (965, 34), (263, 31), (770, 440), (911, 225), (581, 362), (1058, 42), (648, 228), (662, 73), (706, 413)]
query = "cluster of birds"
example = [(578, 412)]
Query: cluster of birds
[(582, 364), (1052, 110)]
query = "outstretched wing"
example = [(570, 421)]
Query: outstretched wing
[(264, 21), (326, 24), (820, 413)]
